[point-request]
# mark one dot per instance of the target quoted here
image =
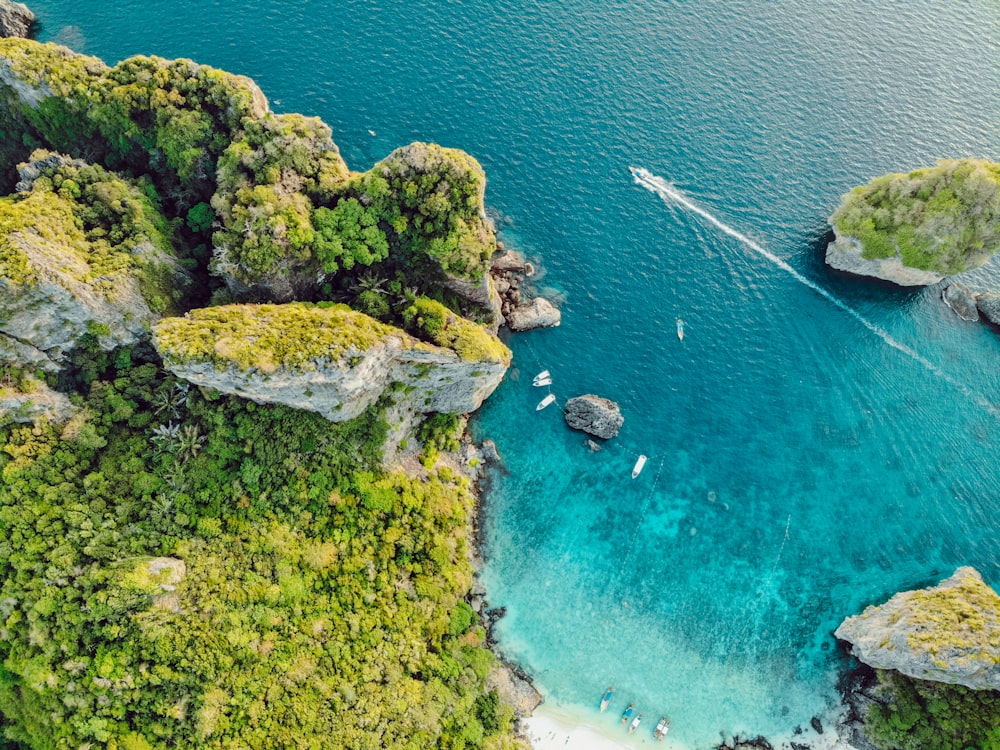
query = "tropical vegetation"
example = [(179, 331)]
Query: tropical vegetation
[(944, 218)]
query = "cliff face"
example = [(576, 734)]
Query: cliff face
[(949, 633), (845, 253), (15, 19), (331, 360)]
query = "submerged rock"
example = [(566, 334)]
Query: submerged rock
[(539, 313), (594, 415), (948, 633), (15, 19)]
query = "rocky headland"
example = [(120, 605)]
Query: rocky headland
[(520, 311), (947, 633)]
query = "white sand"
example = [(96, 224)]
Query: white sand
[(552, 727)]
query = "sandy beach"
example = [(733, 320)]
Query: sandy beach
[(552, 727)]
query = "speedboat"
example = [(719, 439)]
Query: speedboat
[(607, 699), (627, 713), (635, 724), (662, 727), (637, 469), (680, 329), (539, 383), (639, 173), (541, 376), (545, 401)]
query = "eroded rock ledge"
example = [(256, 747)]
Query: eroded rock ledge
[(15, 19), (948, 633)]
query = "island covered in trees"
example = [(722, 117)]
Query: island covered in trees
[(213, 335)]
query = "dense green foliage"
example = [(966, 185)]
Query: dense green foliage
[(321, 601), (436, 323), (918, 715), (269, 192), (93, 225), (944, 218)]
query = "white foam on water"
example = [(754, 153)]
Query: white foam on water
[(672, 196)]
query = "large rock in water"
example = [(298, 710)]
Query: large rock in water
[(539, 313), (949, 633), (15, 19), (331, 360), (594, 415)]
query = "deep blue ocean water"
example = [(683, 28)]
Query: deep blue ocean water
[(801, 464)]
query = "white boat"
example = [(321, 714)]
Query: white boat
[(541, 376), (635, 724), (662, 727), (540, 383), (606, 699), (680, 329), (640, 174), (545, 401), (637, 469)]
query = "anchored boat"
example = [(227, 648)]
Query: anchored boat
[(541, 376), (627, 713), (635, 724), (607, 698), (544, 381), (662, 727), (680, 329), (639, 464), (545, 401)]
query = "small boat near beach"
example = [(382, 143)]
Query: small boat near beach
[(635, 724), (541, 376), (545, 401), (680, 329), (639, 464), (627, 713), (607, 698), (539, 383), (662, 727)]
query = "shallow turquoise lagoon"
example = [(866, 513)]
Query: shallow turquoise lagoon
[(805, 459)]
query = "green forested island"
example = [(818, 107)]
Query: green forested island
[(212, 333), (941, 220)]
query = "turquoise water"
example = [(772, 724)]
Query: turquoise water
[(806, 457)]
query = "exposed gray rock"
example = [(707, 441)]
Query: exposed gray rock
[(961, 300), (539, 313), (489, 452), (948, 633), (988, 304), (41, 402), (45, 162), (337, 380), (508, 261), (594, 415), (844, 254), (484, 293), (15, 19), (514, 688)]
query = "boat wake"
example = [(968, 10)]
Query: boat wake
[(673, 196)]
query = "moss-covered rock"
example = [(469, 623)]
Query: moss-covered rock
[(327, 359), (948, 633), (915, 229), (82, 251)]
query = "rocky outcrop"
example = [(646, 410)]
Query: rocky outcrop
[(844, 254), (40, 402), (962, 301), (594, 415), (949, 633), (15, 19), (514, 688), (988, 304), (334, 361), (539, 313)]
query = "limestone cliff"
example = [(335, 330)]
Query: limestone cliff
[(331, 360), (948, 633), (846, 254)]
